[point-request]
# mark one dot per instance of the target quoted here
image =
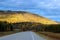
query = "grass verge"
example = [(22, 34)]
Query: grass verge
[(7, 33), (50, 34)]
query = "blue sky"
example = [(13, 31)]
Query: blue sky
[(47, 8)]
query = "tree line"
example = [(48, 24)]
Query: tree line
[(29, 26), (5, 26), (53, 28)]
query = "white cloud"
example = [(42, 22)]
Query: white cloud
[(52, 4), (12, 3)]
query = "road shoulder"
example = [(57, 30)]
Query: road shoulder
[(46, 37)]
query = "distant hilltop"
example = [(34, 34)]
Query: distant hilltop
[(22, 16), (9, 11)]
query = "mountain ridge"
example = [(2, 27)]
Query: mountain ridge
[(22, 16)]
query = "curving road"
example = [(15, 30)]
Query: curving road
[(23, 36)]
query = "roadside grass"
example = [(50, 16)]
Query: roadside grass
[(7, 33), (50, 35)]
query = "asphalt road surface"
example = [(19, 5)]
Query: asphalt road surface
[(23, 36)]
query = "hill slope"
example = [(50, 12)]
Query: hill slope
[(24, 17)]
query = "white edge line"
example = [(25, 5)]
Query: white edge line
[(32, 36)]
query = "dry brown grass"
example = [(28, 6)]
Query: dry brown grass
[(50, 34), (6, 33)]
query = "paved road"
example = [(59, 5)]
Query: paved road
[(23, 36)]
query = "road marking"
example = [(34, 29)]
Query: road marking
[(32, 36)]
